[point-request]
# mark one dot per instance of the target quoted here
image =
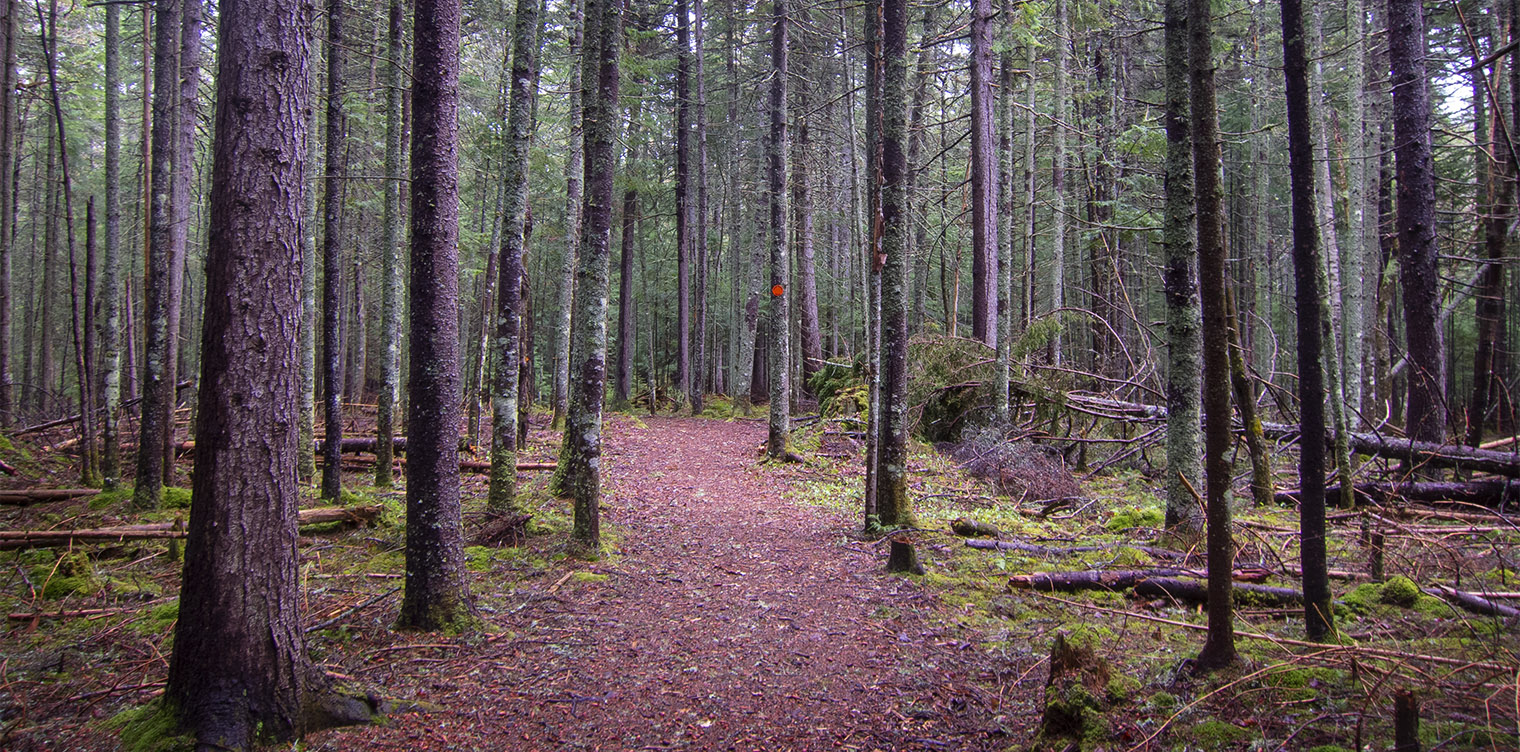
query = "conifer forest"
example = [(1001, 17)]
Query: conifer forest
[(789, 374)]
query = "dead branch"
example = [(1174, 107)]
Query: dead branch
[(23, 497), (18, 539), (1164, 583)]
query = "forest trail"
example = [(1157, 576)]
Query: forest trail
[(728, 618)]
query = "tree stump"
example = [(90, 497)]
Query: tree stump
[(1076, 692), (902, 557), (1406, 721)]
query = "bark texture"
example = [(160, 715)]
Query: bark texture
[(332, 251), (436, 593), (893, 505), (390, 252), (984, 179), (778, 320)]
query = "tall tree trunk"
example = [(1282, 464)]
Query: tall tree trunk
[(502, 496), (893, 505), (1418, 276), (984, 178), (157, 391), (699, 381), (1498, 195), (332, 253), (1184, 469), (186, 119), (627, 325), (1031, 204), (240, 670), (683, 202), (1005, 224), (1058, 177), (110, 283), (778, 322), (437, 596), (306, 456), (922, 72), (573, 215), (1361, 213), (1306, 276), (10, 9), (1219, 648), (802, 207), (580, 457), (390, 247)]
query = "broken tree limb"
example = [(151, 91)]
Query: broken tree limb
[(25, 496), (1147, 582), (1492, 492), (1475, 603), (17, 539), (1031, 548)]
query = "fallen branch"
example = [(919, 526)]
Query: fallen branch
[(25, 496), (1475, 603), (1031, 548), (17, 539), (1164, 583), (1487, 492)]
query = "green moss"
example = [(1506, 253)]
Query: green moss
[(1163, 701), (478, 558), (1217, 735), (1400, 591), (108, 499), (585, 576), (389, 562), (1362, 600), (1121, 687), (175, 498), (153, 727), (73, 573), (1434, 607), (1128, 518), (1127, 556)]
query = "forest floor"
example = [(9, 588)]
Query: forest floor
[(736, 605)]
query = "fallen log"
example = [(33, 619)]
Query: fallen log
[(973, 529), (25, 496), (1159, 583), (1492, 492), (1031, 548), (75, 417), (18, 539), (1475, 603), (1424, 453)]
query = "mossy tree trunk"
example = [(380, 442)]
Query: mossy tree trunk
[(893, 506), (240, 671), (503, 490), (580, 456), (436, 593), (574, 174), (1219, 648), (110, 282), (1184, 467)]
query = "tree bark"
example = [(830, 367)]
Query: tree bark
[(390, 250), (9, 10), (1184, 473), (699, 380), (1058, 177), (1219, 648), (186, 122), (802, 207), (574, 217), (683, 202), (437, 596), (1306, 276), (984, 179), (579, 473), (893, 505), (627, 325), (332, 251), (240, 670), (778, 320), (1416, 198), (502, 496), (110, 283)]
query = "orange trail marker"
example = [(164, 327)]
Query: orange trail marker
[(777, 290)]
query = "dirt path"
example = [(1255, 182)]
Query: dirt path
[(730, 619)]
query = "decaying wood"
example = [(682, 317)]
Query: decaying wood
[(25, 496), (1032, 548), (1489, 492), (1475, 603), (974, 529), (16, 539), (1151, 582), (480, 466)]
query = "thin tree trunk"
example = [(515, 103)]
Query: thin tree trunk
[(185, 121), (802, 208), (1363, 227), (984, 178), (699, 383), (390, 247), (1184, 469), (1219, 648), (332, 251), (8, 197), (627, 324), (1005, 129), (1498, 198), (893, 504), (573, 216), (683, 202), (502, 496), (1058, 177), (110, 301)]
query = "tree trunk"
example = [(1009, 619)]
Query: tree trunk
[(502, 496), (1306, 277), (306, 462), (187, 120), (1498, 196), (1058, 178), (778, 321), (700, 382), (1183, 382), (683, 202), (627, 325), (1363, 235), (893, 505), (437, 596), (1004, 225), (240, 671), (9, 10), (574, 218), (1219, 648), (579, 473), (110, 283), (332, 251), (390, 246), (984, 179), (1418, 275), (802, 207)]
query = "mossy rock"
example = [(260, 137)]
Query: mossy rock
[(1400, 591), (73, 573), (1217, 735)]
